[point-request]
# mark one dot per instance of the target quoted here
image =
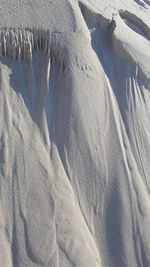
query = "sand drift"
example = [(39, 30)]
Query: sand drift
[(75, 137)]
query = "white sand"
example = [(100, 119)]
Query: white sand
[(74, 133)]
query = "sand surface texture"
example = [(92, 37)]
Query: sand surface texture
[(74, 133)]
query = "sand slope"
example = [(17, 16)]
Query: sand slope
[(74, 133)]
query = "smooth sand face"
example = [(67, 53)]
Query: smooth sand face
[(74, 133)]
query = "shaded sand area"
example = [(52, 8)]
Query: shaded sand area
[(74, 133)]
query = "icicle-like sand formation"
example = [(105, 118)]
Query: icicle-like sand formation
[(20, 43)]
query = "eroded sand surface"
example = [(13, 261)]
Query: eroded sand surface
[(74, 133)]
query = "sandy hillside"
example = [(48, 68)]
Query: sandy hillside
[(74, 133)]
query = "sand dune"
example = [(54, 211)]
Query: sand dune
[(74, 133)]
